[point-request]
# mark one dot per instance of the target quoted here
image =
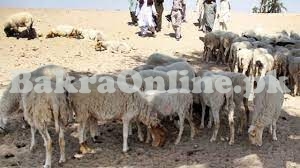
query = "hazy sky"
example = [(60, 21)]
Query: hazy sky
[(237, 5)]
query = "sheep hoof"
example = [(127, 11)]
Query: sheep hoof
[(46, 166), (274, 138), (202, 126), (125, 150), (231, 142), (212, 139), (61, 160), (177, 142), (209, 125), (31, 149), (141, 139)]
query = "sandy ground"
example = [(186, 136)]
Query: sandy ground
[(80, 55)]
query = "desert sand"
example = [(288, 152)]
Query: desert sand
[(80, 55)]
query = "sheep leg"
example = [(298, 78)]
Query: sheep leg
[(202, 115), (225, 58), (247, 111), (130, 129), (295, 80), (140, 132), (33, 142), (231, 126), (62, 144), (181, 127), (238, 110), (209, 125), (125, 135), (148, 139), (189, 117), (48, 145), (274, 135), (93, 123), (83, 149), (215, 114)]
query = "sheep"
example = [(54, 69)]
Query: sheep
[(92, 34), (157, 59), (294, 35), (294, 70), (259, 44), (40, 110), (21, 19), (217, 101), (226, 42), (235, 47), (281, 61), (212, 43), (267, 109), (10, 102), (244, 60), (113, 46), (65, 31), (143, 67), (179, 66), (262, 62), (170, 104), (117, 105)]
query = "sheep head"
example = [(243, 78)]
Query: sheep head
[(255, 135)]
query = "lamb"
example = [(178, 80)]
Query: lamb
[(113, 46), (244, 60), (21, 19), (171, 104), (262, 63), (217, 101), (111, 106), (235, 47), (10, 102), (40, 110), (226, 42), (294, 70), (267, 109), (158, 59), (65, 31)]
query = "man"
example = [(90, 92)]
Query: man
[(210, 9), (177, 17), (184, 11), (132, 8), (224, 14), (159, 9), (200, 12)]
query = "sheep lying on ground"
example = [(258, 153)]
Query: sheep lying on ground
[(12, 24), (217, 102), (244, 60), (172, 104), (267, 109), (113, 46), (10, 102), (110, 106), (92, 34), (65, 31), (40, 110), (294, 71), (158, 59)]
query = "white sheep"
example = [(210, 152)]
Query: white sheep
[(12, 24), (267, 109), (92, 34), (262, 62), (172, 104), (117, 105), (42, 109), (281, 61), (226, 42), (113, 46), (158, 59), (217, 103), (243, 61), (65, 31), (235, 47)]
